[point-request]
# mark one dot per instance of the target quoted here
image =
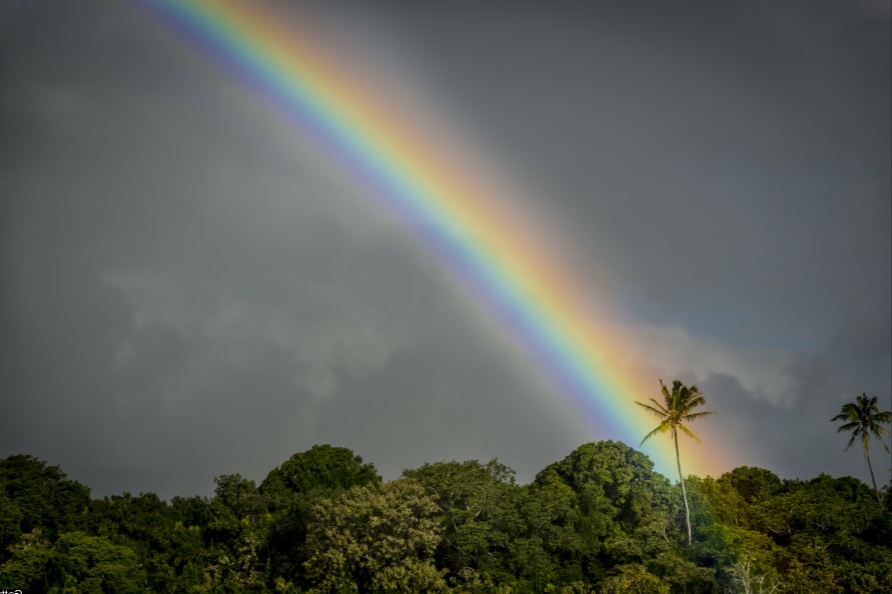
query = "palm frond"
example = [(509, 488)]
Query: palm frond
[(697, 415), (661, 428), (883, 417), (659, 410), (848, 427), (841, 417), (694, 402), (880, 432), (688, 432)]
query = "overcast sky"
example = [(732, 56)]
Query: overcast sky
[(187, 289)]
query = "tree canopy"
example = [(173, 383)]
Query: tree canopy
[(599, 521)]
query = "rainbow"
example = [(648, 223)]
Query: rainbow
[(490, 243)]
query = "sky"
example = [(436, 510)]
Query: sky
[(189, 287)]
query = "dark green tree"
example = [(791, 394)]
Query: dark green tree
[(10, 522), (84, 563), (622, 508), (676, 410), (40, 496), (291, 488), (76, 562), (240, 524), (477, 511), (863, 418), (322, 467), (834, 536)]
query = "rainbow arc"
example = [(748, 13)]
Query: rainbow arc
[(465, 222)]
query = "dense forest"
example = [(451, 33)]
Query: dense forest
[(599, 521)]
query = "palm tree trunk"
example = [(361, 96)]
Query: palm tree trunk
[(870, 466), (684, 493)]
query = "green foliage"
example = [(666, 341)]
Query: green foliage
[(599, 521), (612, 479), (88, 564), (29, 562), (10, 521), (140, 519), (322, 467), (374, 539), (824, 535), (476, 507), (239, 529), (753, 485), (77, 562), (863, 418), (291, 489), (617, 496), (676, 410), (36, 495), (632, 579)]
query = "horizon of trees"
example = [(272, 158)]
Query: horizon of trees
[(600, 521)]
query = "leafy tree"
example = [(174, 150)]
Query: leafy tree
[(752, 484), (143, 519), (543, 552), (193, 547), (674, 412), (374, 539), (41, 497), (749, 581), (478, 515), (863, 418), (76, 562), (191, 511), (292, 487), (598, 521), (27, 566), (832, 534), (10, 522), (240, 525), (322, 467), (621, 506), (633, 579), (146, 524), (84, 563)]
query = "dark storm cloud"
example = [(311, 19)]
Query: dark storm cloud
[(188, 289), (726, 150)]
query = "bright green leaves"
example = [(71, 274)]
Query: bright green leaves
[(30, 560), (600, 521), (77, 562), (632, 579), (96, 565), (374, 539), (475, 504), (240, 525)]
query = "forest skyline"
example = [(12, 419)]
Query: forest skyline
[(598, 521)]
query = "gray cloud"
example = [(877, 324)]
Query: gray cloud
[(189, 288)]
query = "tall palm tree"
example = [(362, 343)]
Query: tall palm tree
[(863, 420), (674, 412)]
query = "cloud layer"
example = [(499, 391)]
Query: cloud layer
[(189, 289)]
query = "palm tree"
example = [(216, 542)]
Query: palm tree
[(675, 411), (863, 419)]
